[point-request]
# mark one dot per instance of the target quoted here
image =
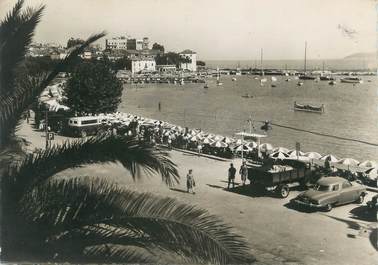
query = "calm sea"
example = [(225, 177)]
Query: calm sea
[(350, 111)]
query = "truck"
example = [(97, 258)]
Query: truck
[(280, 177)]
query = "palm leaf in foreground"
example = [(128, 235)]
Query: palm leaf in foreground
[(97, 213), (105, 148)]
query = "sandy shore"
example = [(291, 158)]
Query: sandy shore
[(276, 233)]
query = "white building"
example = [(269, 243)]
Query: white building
[(119, 43), (192, 56), (145, 64)]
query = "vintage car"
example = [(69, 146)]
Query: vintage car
[(329, 192)]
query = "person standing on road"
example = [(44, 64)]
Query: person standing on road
[(231, 176), (190, 183), (243, 171)]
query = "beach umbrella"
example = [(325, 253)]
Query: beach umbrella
[(219, 144), (245, 148), (265, 147), (294, 153), (240, 142), (372, 170), (281, 149), (348, 162), (194, 139), (210, 135), (252, 144), (313, 155), (228, 140), (332, 158), (279, 155), (208, 141), (218, 138), (368, 163)]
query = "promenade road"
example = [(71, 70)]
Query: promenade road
[(276, 233)]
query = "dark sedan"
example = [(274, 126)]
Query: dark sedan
[(329, 192)]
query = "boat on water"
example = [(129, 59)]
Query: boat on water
[(327, 78), (300, 84), (308, 108), (247, 96), (306, 76), (219, 83), (273, 85), (287, 79), (233, 79), (332, 83), (205, 86), (351, 80)]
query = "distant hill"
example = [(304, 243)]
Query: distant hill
[(362, 56)]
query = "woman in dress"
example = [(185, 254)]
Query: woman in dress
[(190, 183)]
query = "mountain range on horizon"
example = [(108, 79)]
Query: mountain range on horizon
[(362, 56)]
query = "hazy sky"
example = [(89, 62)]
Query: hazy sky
[(220, 29)]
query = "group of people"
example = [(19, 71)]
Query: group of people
[(243, 172)]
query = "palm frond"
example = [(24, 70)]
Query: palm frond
[(16, 33), (64, 206), (105, 148), (117, 253)]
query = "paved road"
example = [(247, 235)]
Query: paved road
[(277, 233)]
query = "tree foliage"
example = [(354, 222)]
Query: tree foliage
[(171, 58), (201, 63), (159, 47), (72, 42), (122, 63), (93, 88)]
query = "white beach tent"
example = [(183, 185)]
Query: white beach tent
[(279, 155), (265, 147), (313, 155), (281, 149), (219, 144), (293, 153), (348, 162), (207, 141), (332, 158), (368, 164), (252, 144), (244, 148)]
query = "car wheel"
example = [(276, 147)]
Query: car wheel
[(360, 199), (83, 134), (283, 191), (328, 207)]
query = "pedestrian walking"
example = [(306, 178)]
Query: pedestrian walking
[(243, 171), (190, 183), (231, 176)]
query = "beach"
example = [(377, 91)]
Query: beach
[(276, 233)]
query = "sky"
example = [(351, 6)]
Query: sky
[(219, 29)]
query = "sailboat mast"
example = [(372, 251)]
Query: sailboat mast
[(262, 71), (305, 59)]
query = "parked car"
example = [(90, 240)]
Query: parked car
[(373, 203), (329, 192)]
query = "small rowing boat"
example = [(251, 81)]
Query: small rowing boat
[(308, 108)]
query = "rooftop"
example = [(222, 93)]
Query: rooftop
[(187, 51)]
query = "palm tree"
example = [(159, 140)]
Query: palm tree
[(90, 219)]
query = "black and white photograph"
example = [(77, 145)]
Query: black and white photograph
[(189, 132)]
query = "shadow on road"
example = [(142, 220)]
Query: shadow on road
[(363, 213), (179, 190), (299, 208), (361, 229), (242, 190)]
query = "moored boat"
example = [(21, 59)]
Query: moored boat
[(308, 108), (351, 80)]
